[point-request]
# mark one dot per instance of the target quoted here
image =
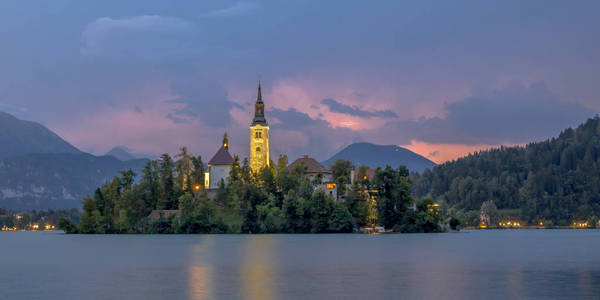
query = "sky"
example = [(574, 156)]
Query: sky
[(441, 78)]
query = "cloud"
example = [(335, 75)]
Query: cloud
[(148, 36), (201, 99), (513, 114), (296, 133), (236, 9), (338, 107)]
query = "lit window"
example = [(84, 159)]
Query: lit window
[(330, 186)]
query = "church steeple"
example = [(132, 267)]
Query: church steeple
[(259, 97), (259, 136), (226, 141), (259, 109)]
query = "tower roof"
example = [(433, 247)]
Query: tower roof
[(259, 110), (259, 96), (222, 157)]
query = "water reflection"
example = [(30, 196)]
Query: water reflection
[(585, 281), (258, 274), (200, 271), (515, 279)]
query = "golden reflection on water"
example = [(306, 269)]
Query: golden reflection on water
[(258, 276), (200, 272)]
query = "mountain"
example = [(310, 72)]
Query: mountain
[(40, 170), (374, 156), (556, 181), (121, 153), (18, 137), (52, 181)]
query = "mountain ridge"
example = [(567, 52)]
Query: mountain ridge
[(19, 137), (40, 170), (374, 156)]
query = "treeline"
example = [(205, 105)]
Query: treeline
[(556, 181), (275, 200), (26, 219)]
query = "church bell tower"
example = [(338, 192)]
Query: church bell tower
[(259, 136)]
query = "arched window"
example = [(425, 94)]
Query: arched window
[(257, 149)]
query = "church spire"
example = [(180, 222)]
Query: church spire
[(259, 109), (259, 97), (226, 141)]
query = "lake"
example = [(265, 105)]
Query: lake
[(493, 264)]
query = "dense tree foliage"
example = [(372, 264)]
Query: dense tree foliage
[(556, 181), (274, 200)]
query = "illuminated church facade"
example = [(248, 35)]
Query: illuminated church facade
[(220, 164), (259, 136)]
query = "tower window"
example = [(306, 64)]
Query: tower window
[(258, 134), (257, 149)]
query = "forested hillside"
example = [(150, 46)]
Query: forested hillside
[(56, 181), (557, 180)]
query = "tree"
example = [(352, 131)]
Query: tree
[(341, 170), (293, 212), (167, 196), (67, 225), (270, 217), (356, 202), (489, 213), (341, 219), (235, 174), (393, 195), (282, 163), (197, 177), (150, 184), (90, 220), (321, 206), (454, 223)]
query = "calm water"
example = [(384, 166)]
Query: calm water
[(506, 264)]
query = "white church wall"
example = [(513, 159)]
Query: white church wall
[(217, 173)]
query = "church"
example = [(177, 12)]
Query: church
[(220, 164)]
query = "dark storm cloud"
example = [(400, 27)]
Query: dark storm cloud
[(338, 107), (204, 100), (292, 119), (99, 59), (322, 140), (146, 37), (514, 114)]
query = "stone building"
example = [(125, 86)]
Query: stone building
[(313, 169)]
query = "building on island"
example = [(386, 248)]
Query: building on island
[(259, 136), (313, 169), (219, 166), (367, 175)]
